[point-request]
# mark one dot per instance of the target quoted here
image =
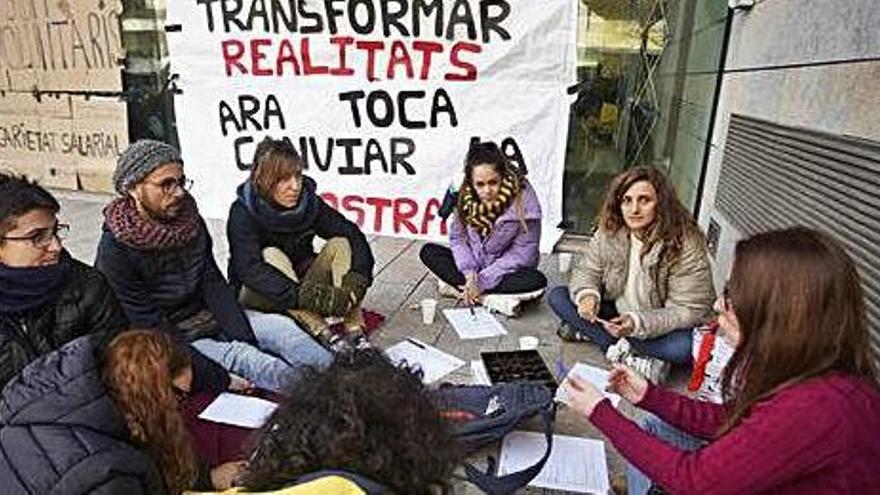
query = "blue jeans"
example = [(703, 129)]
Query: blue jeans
[(674, 346), (283, 348), (636, 481)]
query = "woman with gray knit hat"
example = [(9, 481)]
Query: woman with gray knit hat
[(156, 253)]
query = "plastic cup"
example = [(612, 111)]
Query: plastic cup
[(528, 343), (564, 262), (429, 308)]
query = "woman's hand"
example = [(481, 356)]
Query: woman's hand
[(620, 326), (470, 291), (240, 385), (224, 476), (587, 307), (625, 382), (582, 395)]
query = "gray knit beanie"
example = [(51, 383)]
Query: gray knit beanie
[(139, 160)]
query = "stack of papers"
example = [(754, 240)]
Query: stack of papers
[(592, 374), (474, 323), (575, 464), (433, 362), (239, 410)]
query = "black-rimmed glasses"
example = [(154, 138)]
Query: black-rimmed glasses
[(43, 237)]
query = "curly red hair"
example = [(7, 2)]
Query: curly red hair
[(139, 369)]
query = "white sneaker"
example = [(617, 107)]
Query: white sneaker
[(446, 290), (506, 304), (653, 369), (618, 351)]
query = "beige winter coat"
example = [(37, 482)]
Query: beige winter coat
[(684, 298)]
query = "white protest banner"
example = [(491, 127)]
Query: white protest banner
[(380, 97)]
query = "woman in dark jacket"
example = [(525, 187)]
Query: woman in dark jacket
[(80, 420), (273, 265), (47, 298)]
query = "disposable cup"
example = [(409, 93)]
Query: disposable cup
[(429, 308)]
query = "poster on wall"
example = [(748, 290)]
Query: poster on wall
[(381, 97), (58, 63)]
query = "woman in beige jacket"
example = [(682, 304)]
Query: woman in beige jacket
[(645, 275)]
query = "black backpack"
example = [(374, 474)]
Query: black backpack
[(482, 414)]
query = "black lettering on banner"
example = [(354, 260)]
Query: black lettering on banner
[(401, 149), (401, 108), (352, 97), (306, 14), (391, 17), (423, 9), (249, 109), (332, 14), (258, 11), (372, 103), (461, 14), (374, 153), (354, 19), (511, 151), (489, 22), (236, 145), (443, 106), (349, 168)]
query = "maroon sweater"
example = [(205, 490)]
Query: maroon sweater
[(817, 437)]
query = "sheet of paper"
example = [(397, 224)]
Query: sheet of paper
[(433, 362), (575, 464), (479, 375), (592, 374), (477, 325), (239, 410)]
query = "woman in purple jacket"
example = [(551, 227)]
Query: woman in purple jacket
[(494, 237)]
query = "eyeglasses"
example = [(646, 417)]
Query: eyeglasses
[(44, 237), (171, 184)]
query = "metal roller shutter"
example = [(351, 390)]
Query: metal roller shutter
[(774, 176)]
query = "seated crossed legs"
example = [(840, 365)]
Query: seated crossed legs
[(328, 290)]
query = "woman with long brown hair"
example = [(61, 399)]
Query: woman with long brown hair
[(802, 411), (645, 275), (84, 419)]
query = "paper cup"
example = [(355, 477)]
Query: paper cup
[(429, 307), (564, 262), (528, 343)]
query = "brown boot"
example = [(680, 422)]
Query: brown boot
[(310, 321)]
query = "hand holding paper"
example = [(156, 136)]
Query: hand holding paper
[(590, 374)]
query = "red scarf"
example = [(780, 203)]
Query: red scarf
[(130, 228)]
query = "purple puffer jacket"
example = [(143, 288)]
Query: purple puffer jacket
[(506, 249)]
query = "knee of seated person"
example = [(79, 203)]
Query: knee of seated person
[(338, 244), (558, 294)]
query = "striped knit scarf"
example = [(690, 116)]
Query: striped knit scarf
[(482, 216)]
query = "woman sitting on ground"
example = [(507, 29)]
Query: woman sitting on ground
[(361, 426), (80, 421), (802, 412), (645, 275), (494, 236), (273, 265)]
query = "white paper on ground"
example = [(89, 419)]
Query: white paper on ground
[(575, 464), (433, 362), (239, 410), (479, 375), (479, 325), (592, 374)]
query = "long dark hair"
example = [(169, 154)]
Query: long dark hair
[(138, 370), (488, 153), (362, 415), (673, 225), (801, 311)]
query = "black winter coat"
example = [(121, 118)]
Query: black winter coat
[(180, 291), (61, 433), (85, 306), (247, 239)]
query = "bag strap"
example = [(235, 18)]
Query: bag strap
[(500, 485)]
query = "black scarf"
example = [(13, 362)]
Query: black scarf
[(23, 289), (286, 220)]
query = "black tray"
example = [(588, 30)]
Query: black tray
[(518, 366)]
